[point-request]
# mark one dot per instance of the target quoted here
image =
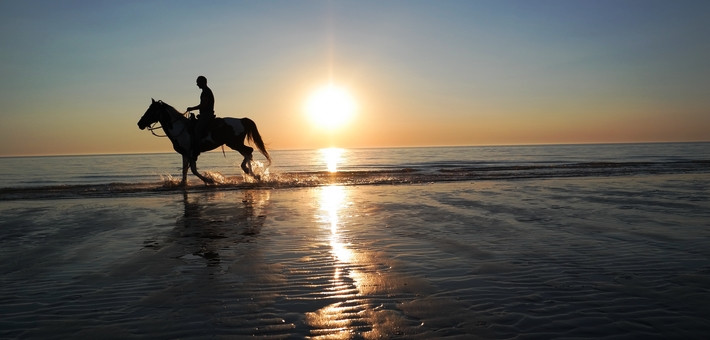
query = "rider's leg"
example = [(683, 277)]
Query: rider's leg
[(197, 135)]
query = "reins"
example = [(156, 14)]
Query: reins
[(152, 127)]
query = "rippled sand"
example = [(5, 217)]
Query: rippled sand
[(620, 257)]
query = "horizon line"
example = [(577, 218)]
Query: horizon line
[(355, 148)]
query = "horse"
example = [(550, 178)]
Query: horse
[(222, 131)]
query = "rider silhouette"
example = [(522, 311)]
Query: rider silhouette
[(205, 117)]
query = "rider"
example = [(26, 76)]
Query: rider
[(205, 117)]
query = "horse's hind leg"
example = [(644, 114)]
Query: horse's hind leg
[(246, 163), (245, 151)]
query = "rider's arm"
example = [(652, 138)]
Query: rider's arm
[(196, 107)]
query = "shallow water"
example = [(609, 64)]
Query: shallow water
[(148, 174), (602, 257)]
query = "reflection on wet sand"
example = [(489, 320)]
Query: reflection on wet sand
[(506, 259), (332, 202), (323, 280), (208, 228), (351, 314)]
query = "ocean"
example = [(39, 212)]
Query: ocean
[(96, 175), (607, 241)]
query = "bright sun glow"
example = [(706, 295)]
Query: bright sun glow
[(330, 107)]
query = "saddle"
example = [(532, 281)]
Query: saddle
[(214, 126)]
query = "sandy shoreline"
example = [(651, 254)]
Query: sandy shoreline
[(619, 257)]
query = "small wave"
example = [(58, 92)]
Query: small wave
[(408, 175)]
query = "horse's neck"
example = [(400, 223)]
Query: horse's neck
[(173, 123)]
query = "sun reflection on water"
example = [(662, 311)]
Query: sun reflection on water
[(350, 307), (332, 157), (332, 201), (343, 318)]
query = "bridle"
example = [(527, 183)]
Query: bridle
[(152, 126)]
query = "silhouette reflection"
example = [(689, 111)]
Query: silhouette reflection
[(213, 223)]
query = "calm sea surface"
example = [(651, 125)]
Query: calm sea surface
[(28, 177)]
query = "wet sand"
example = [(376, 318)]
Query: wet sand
[(617, 257)]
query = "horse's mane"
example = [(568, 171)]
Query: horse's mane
[(170, 107)]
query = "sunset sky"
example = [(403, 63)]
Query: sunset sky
[(77, 75)]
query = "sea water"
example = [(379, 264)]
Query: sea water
[(526, 242), (59, 176)]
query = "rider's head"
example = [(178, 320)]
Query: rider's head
[(201, 81)]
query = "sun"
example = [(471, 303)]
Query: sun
[(330, 107)]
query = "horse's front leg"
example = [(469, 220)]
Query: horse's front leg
[(193, 166), (185, 164)]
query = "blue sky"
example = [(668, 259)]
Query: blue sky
[(78, 74)]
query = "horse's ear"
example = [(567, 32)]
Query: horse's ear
[(153, 100)]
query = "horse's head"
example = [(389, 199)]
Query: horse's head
[(151, 115)]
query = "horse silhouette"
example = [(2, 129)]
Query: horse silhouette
[(222, 131)]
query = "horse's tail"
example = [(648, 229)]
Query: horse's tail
[(254, 137)]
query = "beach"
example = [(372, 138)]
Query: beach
[(595, 257), (518, 170)]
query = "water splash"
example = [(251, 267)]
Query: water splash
[(169, 181), (261, 173), (216, 177)]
